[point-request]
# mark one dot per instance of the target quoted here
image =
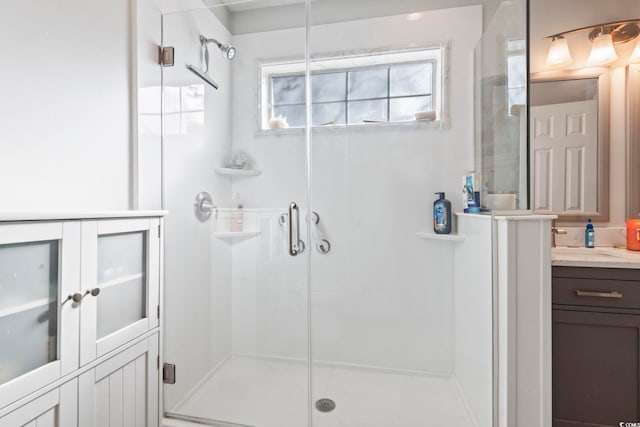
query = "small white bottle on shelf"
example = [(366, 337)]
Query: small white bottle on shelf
[(236, 224)]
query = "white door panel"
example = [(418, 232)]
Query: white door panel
[(564, 149)]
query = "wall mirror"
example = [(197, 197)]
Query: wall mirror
[(569, 145), (633, 141)]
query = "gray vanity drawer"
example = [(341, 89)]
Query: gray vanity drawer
[(596, 292)]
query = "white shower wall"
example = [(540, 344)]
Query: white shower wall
[(382, 296)]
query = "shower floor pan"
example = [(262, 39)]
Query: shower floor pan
[(268, 392)]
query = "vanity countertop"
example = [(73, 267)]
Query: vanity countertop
[(603, 257)]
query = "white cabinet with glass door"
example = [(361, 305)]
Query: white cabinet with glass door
[(39, 320), (120, 281), (79, 308)]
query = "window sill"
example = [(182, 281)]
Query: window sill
[(416, 124)]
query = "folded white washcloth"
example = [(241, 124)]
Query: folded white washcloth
[(425, 115)]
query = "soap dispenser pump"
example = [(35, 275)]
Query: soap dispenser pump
[(442, 215), (589, 235)]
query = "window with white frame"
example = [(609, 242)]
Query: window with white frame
[(385, 87)]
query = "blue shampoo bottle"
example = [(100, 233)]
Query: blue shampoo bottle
[(589, 236), (442, 215)]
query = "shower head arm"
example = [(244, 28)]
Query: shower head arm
[(204, 57), (204, 41)]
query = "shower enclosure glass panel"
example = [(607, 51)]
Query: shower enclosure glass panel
[(501, 109), (388, 325), (358, 115), (236, 321)]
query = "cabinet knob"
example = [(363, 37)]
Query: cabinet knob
[(77, 297), (94, 292)]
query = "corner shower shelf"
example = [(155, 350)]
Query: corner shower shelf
[(237, 172), (445, 237), (232, 234)]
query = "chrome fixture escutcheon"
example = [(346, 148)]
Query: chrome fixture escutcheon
[(203, 206)]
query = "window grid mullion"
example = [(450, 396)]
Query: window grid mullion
[(389, 94), (346, 98)]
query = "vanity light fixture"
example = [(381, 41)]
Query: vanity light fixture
[(559, 55), (604, 38), (602, 51)]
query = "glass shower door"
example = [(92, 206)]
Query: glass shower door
[(235, 185), (401, 318)]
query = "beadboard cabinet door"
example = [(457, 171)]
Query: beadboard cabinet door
[(122, 391), (39, 322), (120, 280), (57, 408)]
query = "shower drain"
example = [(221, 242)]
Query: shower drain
[(325, 405)]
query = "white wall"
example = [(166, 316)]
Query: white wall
[(473, 301), (382, 296), (551, 17), (324, 12), (65, 109)]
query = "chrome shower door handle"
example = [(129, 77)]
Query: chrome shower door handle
[(294, 229)]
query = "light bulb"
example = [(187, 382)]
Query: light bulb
[(559, 55), (602, 51)]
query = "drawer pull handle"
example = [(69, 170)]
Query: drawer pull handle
[(612, 294)]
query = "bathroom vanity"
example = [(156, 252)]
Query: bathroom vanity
[(596, 336), (79, 318)]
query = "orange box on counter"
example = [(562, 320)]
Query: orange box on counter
[(633, 234)]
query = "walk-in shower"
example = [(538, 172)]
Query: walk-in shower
[(385, 326)]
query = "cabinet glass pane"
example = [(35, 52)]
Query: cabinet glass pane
[(122, 281), (28, 307)]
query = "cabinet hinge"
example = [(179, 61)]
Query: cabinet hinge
[(169, 373), (159, 231), (165, 56), (158, 311), (158, 362)]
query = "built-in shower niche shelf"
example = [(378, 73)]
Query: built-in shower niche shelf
[(237, 172), (234, 234), (442, 237)]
